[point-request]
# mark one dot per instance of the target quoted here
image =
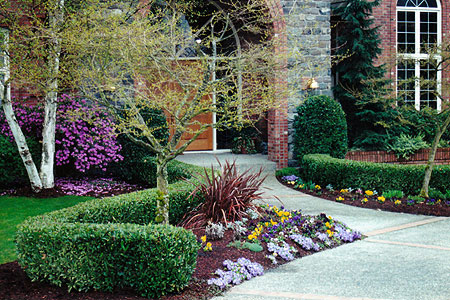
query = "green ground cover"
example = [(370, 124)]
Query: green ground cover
[(14, 210)]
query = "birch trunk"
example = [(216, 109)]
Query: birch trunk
[(430, 163), (56, 18), (19, 137)]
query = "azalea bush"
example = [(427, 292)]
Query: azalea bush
[(85, 136)]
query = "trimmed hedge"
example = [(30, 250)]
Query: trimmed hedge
[(107, 243), (342, 173)]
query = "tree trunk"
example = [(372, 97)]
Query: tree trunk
[(19, 137), (430, 163), (162, 184), (56, 19)]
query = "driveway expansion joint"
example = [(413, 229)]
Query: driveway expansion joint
[(405, 226), (295, 296)]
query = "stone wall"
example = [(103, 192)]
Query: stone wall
[(309, 46)]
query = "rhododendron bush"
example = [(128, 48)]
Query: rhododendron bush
[(85, 136)]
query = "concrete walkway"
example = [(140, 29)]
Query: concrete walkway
[(404, 257)]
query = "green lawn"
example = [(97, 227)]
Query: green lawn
[(14, 210)]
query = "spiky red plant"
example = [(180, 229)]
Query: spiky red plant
[(227, 196)]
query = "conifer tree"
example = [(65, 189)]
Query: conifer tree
[(358, 45)]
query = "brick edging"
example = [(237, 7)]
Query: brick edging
[(421, 157)]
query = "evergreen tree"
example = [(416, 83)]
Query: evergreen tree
[(359, 81)]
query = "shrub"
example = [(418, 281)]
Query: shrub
[(393, 194), (143, 171), (227, 196), (342, 173), (436, 194), (404, 145), (12, 170), (107, 243), (320, 127), (85, 136), (287, 172)]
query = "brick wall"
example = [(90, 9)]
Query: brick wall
[(421, 157)]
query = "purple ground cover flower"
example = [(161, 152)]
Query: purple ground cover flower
[(323, 237), (305, 242), (236, 272), (282, 249), (346, 235), (289, 178), (94, 187)]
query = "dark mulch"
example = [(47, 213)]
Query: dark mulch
[(15, 285), (438, 209)]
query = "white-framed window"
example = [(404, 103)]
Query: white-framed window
[(418, 30)]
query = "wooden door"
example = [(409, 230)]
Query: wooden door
[(205, 140)]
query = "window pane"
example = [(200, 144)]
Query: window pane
[(428, 85), (428, 31), (406, 81), (406, 28)]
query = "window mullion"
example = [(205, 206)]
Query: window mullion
[(417, 83)]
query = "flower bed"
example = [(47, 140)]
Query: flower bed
[(391, 200)]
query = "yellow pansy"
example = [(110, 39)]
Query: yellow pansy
[(369, 193), (208, 247), (330, 233), (328, 224), (203, 238)]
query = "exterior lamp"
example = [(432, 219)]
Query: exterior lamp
[(312, 84)]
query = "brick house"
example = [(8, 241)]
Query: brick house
[(306, 25)]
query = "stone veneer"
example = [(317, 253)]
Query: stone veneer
[(309, 44)]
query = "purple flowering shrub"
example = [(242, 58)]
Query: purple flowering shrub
[(236, 272), (85, 136)]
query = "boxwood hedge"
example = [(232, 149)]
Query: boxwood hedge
[(342, 173), (107, 243)]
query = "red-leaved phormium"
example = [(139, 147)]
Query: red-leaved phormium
[(227, 195)]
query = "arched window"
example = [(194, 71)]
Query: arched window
[(418, 31)]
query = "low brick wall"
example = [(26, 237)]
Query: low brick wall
[(421, 157)]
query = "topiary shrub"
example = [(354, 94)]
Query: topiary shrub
[(320, 127), (342, 173), (108, 243)]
